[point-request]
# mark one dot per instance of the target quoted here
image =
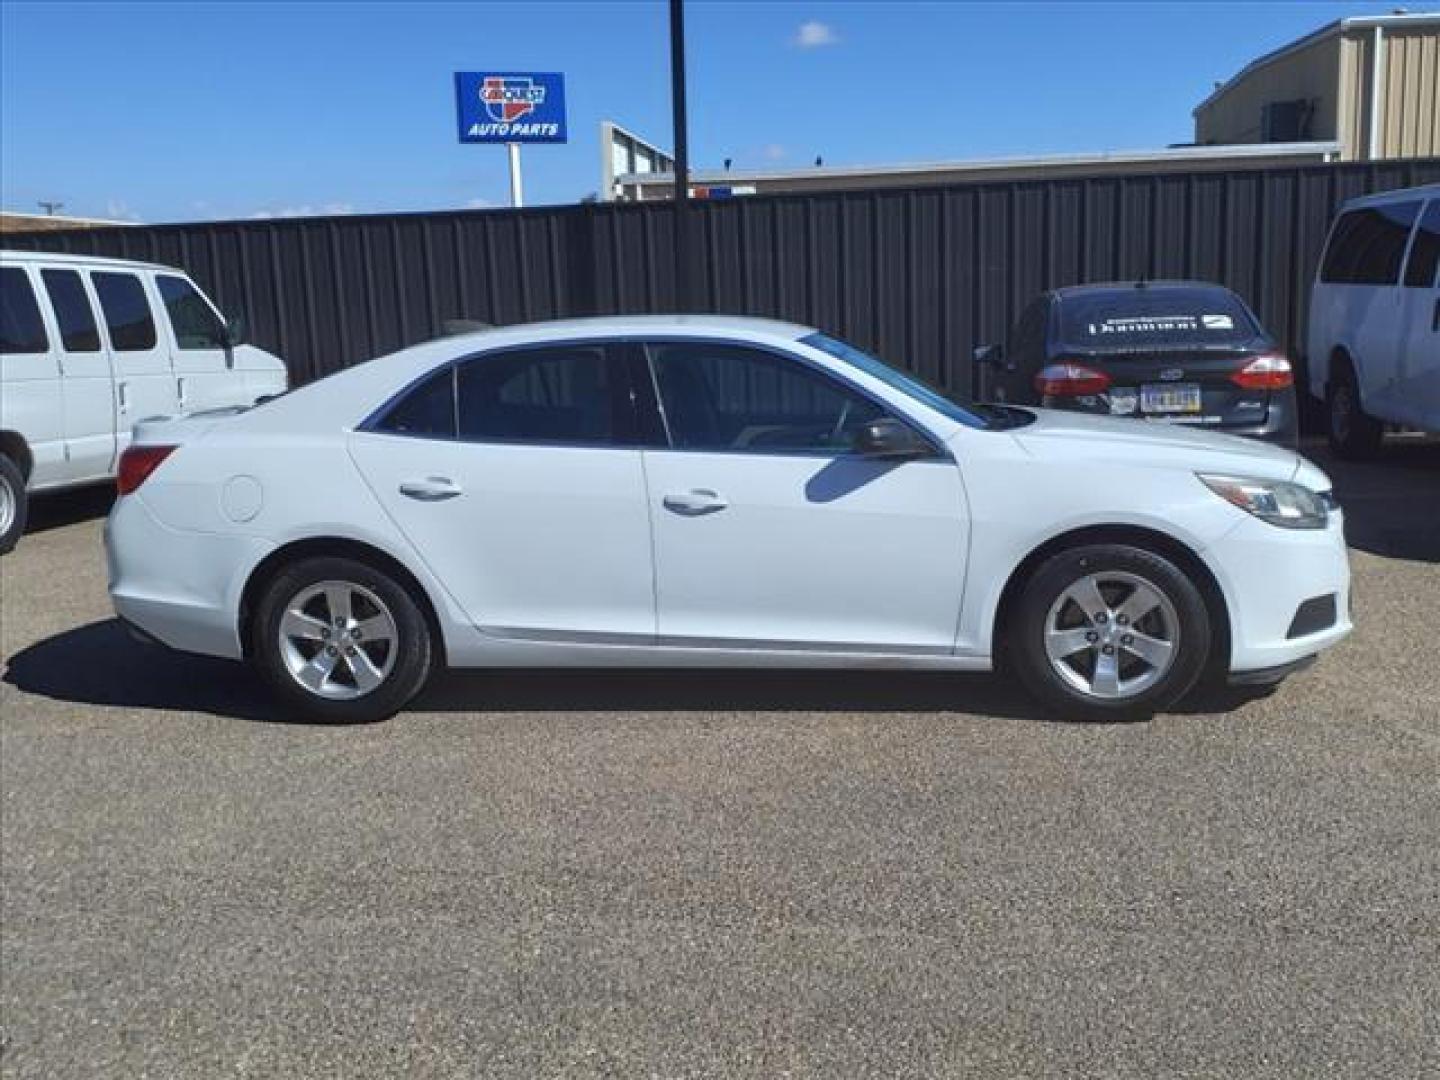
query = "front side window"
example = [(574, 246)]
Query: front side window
[(21, 330), (127, 311), (1368, 245), (195, 323), (573, 395), (78, 331), (1425, 250), (722, 397)]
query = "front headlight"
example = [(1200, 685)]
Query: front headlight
[(1290, 506)]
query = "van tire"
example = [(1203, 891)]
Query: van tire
[(13, 504), (1353, 434)]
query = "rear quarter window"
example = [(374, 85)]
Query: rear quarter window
[(1368, 245), (21, 329)]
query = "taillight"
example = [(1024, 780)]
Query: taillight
[(136, 465), (1067, 379), (1265, 373)]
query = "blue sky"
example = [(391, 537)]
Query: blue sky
[(175, 111)]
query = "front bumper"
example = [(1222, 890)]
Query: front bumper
[(179, 587), (1267, 575)]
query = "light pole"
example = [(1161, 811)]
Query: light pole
[(682, 154)]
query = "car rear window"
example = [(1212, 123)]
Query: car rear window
[(1141, 317)]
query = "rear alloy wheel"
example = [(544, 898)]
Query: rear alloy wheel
[(12, 505), (341, 641), (1109, 632), (1352, 433)]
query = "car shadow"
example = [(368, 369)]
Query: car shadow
[(56, 509), (102, 664), (1391, 504)]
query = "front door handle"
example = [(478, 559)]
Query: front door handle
[(430, 489), (695, 502)]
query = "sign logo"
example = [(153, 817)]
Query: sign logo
[(510, 99), (510, 106), (1171, 374)]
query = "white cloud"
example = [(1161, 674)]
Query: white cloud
[(333, 209), (772, 151), (815, 35), (119, 210), (478, 204)]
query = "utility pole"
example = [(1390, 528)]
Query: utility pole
[(50, 207), (682, 154)]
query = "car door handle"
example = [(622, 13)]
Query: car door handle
[(431, 489), (695, 502), (1435, 319)]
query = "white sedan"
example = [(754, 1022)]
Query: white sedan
[(707, 491)]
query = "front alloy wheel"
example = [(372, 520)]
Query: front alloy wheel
[(1108, 631)]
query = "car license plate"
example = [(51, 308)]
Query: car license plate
[(1170, 398)]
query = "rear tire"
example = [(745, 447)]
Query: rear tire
[(339, 641), (14, 505), (1353, 434), (1108, 632)]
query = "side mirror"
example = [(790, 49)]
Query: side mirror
[(990, 354), (234, 331), (890, 438)]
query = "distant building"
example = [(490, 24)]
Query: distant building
[(11, 222), (1371, 84), (717, 183)]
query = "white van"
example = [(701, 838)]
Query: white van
[(1374, 339), (90, 346)]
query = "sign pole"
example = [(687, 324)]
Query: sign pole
[(517, 192)]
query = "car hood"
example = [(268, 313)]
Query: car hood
[(1073, 436)]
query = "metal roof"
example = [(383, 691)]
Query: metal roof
[(1239, 151), (1339, 26)]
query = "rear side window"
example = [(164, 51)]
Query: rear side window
[(1147, 317), (427, 411), (1368, 244), (78, 331), (569, 394), (21, 330), (1425, 250), (195, 323), (127, 311)]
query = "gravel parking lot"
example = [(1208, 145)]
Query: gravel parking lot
[(686, 875)]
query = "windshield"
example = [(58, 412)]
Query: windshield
[(1141, 317), (911, 386)]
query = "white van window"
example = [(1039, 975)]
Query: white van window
[(78, 332), (127, 311), (1368, 245), (21, 330), (194, 322), (1425, 251)]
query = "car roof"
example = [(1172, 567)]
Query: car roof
[(10, 255), (1100, 288), (1381, 198), (626, 325)]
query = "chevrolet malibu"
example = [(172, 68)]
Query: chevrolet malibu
[(713, 492)]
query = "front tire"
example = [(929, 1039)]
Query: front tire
[(340, 641), (1353, 434), (14, 505), (1109, 632)]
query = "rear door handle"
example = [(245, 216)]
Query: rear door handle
[(1435, 319), (695, 502), (431, 489)]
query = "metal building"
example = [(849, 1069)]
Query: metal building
[(1371, 84)]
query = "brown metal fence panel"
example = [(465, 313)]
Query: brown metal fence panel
[(921, 276)]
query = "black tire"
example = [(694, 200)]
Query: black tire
[(1353, 434), (1117, 569), (14, 505), (403, 660)]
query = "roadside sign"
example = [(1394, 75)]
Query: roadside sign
[(510, 106)]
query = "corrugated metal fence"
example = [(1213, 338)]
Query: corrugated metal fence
[(920, 276)]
